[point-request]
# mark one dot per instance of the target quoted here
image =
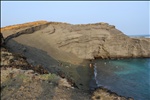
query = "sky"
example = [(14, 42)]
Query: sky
[(131, 17)]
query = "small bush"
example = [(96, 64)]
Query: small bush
[(50, 77)]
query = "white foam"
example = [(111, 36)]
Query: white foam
[(95, 74)]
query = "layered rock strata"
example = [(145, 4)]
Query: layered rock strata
[(86, 41)]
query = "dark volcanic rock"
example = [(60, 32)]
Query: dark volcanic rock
[(2, 39)]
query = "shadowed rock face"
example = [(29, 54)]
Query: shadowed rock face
[(2, 39), (89, 41)]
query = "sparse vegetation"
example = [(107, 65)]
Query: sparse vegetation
[(22, 76), (50, 77)]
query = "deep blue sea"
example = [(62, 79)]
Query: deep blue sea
[(126, 77)]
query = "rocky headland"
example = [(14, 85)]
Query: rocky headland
[(62, 50), (86, 41)]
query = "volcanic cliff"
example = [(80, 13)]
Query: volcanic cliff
[(85, 41)]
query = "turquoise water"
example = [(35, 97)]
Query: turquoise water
[(126, 77)]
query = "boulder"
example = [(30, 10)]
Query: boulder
[(2, 39)]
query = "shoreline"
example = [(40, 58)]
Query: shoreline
[(40, 70), (123, 76)]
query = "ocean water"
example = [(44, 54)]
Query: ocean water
[(126, 77), (137, 36)]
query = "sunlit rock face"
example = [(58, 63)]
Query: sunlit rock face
[(85, 41)]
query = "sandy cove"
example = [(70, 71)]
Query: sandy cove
[(20, 80)]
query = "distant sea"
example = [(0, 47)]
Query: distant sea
[(146, 36)]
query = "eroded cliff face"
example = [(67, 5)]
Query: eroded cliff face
[(89, 41)]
